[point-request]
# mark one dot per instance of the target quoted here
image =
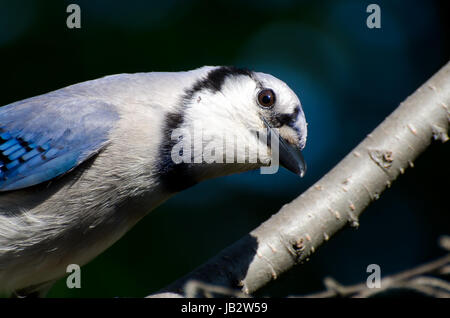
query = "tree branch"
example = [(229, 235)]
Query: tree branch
[(293, 234), (411, 279)]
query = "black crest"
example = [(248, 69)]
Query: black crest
[(215, 79)]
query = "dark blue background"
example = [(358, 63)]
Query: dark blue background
[(348, 77)]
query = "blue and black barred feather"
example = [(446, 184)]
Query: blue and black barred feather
[(25, 162), (42, 138)]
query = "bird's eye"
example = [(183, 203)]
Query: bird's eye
[(266, 97)]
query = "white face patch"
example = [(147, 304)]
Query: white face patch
[(234, 107), (286, 99), (224, 102)]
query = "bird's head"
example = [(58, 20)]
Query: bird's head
[(229, 116)]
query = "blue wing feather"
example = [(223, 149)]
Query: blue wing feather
[(46, 136)]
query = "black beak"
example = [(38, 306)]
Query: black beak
[(290, 156)]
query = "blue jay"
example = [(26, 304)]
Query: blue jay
[(81, 165)]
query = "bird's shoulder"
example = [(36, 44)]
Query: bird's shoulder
[(48, 135)]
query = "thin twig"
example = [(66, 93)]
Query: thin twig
[(402, 279)]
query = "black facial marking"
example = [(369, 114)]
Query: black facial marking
[(215, 79), (288, 119), (177, 177), (173, 177), (173, 120)]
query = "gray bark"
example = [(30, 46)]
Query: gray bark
[(293, 234)]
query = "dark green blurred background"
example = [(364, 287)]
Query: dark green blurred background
[(348, 77)]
